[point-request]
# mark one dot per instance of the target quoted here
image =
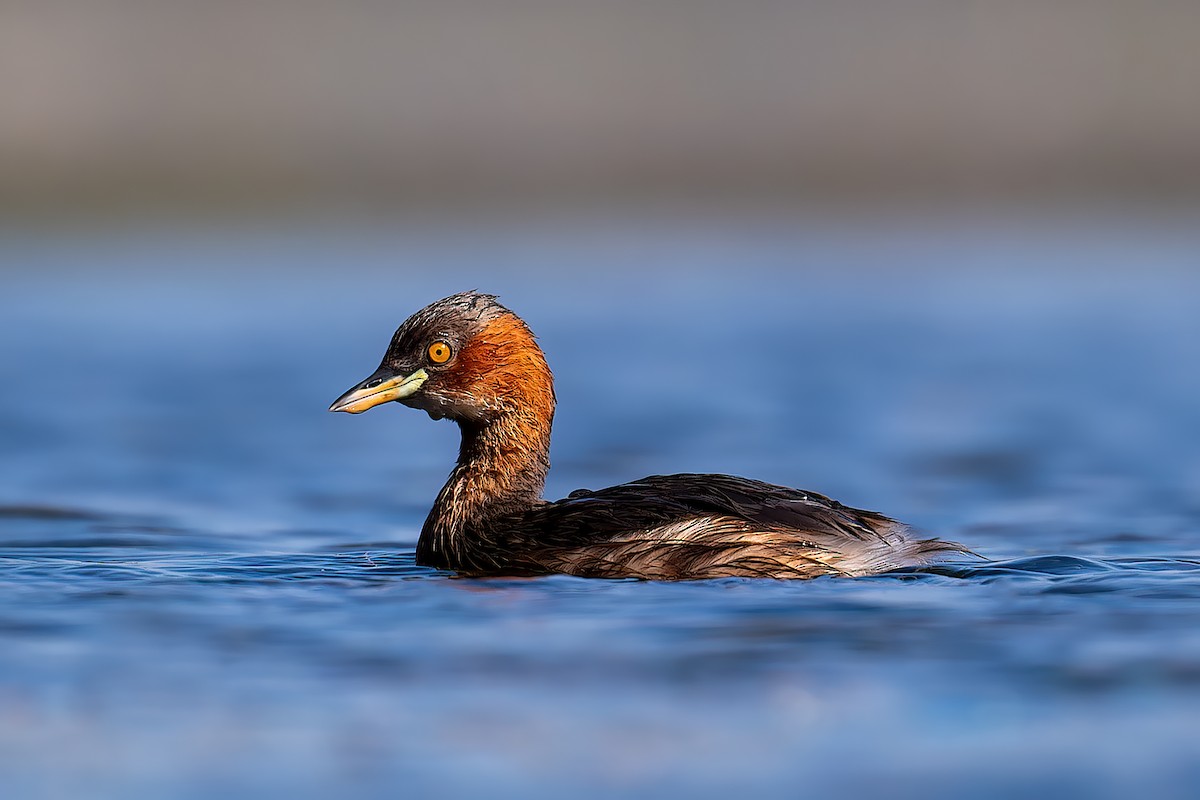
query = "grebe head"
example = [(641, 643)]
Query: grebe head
[(466, 358)]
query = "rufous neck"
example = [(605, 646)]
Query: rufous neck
[(501, 470)]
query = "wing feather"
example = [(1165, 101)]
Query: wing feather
[(672, 527)]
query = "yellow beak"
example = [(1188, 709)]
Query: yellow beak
[(382, 387)]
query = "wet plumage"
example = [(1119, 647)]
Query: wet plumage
[(469, 359)]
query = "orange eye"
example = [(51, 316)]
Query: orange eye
[(439, 352)]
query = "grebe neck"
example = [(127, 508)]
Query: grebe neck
[(501, 470)]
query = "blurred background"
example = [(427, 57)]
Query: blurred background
[(122, 105), (936, 258)]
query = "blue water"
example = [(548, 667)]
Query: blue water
[(207, 586)]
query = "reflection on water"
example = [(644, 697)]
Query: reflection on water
[(208, 585)]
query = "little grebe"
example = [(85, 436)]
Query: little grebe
[(470, 359)]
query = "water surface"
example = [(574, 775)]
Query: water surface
[(207, 585)]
